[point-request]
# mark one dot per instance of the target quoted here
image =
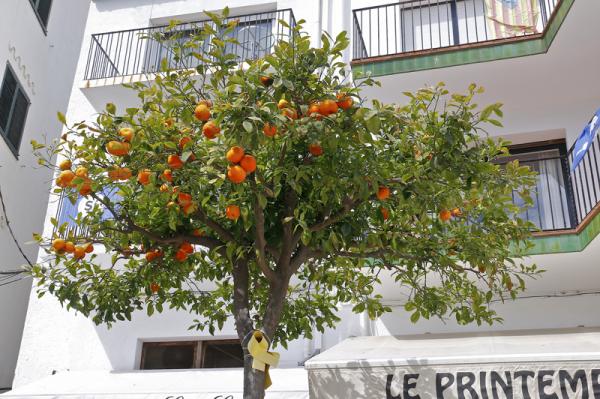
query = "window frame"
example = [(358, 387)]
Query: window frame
[(19, 88), (35, 5), (199, 348), (555, 144)]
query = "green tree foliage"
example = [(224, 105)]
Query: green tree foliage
[(314, 229)]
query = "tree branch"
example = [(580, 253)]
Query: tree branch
[(259, 235), (347, 205), (288, 241)]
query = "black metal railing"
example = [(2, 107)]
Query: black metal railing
[(135, 51), (585, 182), (413, 25)]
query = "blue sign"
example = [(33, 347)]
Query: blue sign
[(585, 140), (68, 212)]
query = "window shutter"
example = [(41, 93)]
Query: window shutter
[(9, 86), (17, 121)]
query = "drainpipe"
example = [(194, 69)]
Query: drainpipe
[(320, 24)]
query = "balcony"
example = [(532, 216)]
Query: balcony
[(415, 27), (136, 52)]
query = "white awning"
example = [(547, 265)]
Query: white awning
[(171, 384), (460, 365)]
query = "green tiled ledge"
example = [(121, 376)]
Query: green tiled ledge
[(566, 242), (470, 55)]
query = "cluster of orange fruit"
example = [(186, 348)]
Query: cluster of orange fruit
[(202, 112), (446, 214), (243, 164), (121, 148), (383, 193), (67, 176), (61, 246)]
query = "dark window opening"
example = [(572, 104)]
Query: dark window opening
[(42, 11), (191, 354), (14, 105)]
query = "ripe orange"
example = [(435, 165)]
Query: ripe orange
[(188, 208), (344, 101), (235, 154), (89, 248), (81, 171), (154, 254), (211, 130), (144, 176), (232, 212), (119, 174), (266, 81), (197, 233), (169, 122), (69, 247), (58, 244), (86, 187), (65, 165), (456, 212), (154, 288), (283, 104), (236, 174), (181, 255), (445, 215), (269, 130), (184, 140), (315, 149), (328, 107), (167, 175), (65, 178), (126, 133), (290, 113), (385, 213), (79, 252), (184, 198), (117, 148), (313, 109), (174, 161), (187, 247), (383, 193), (202, 112), (248, 163)]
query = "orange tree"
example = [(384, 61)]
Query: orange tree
[(275, 182)]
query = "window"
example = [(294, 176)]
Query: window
[(553, 206), (13, 110), (42, 11), (191, 354)]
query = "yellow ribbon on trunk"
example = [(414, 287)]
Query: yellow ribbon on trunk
[(258, 346)]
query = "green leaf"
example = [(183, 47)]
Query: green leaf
[(248, 126)]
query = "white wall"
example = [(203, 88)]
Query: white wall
[(58, 340), (44, 65)]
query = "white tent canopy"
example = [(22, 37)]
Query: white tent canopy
[(163, 384), (565, 363)]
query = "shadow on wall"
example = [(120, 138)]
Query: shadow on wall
[(112, 5), (359, 380)]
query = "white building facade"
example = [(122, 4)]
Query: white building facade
[(548, 80), (40, 42)]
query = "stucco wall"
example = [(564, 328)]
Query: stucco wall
[(44, 65)]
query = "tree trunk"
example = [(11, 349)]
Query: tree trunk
[(254, 380)]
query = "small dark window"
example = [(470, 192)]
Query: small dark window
[(168, 355), (13, 110), (222, 354), (42, 11), (191, 354)]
